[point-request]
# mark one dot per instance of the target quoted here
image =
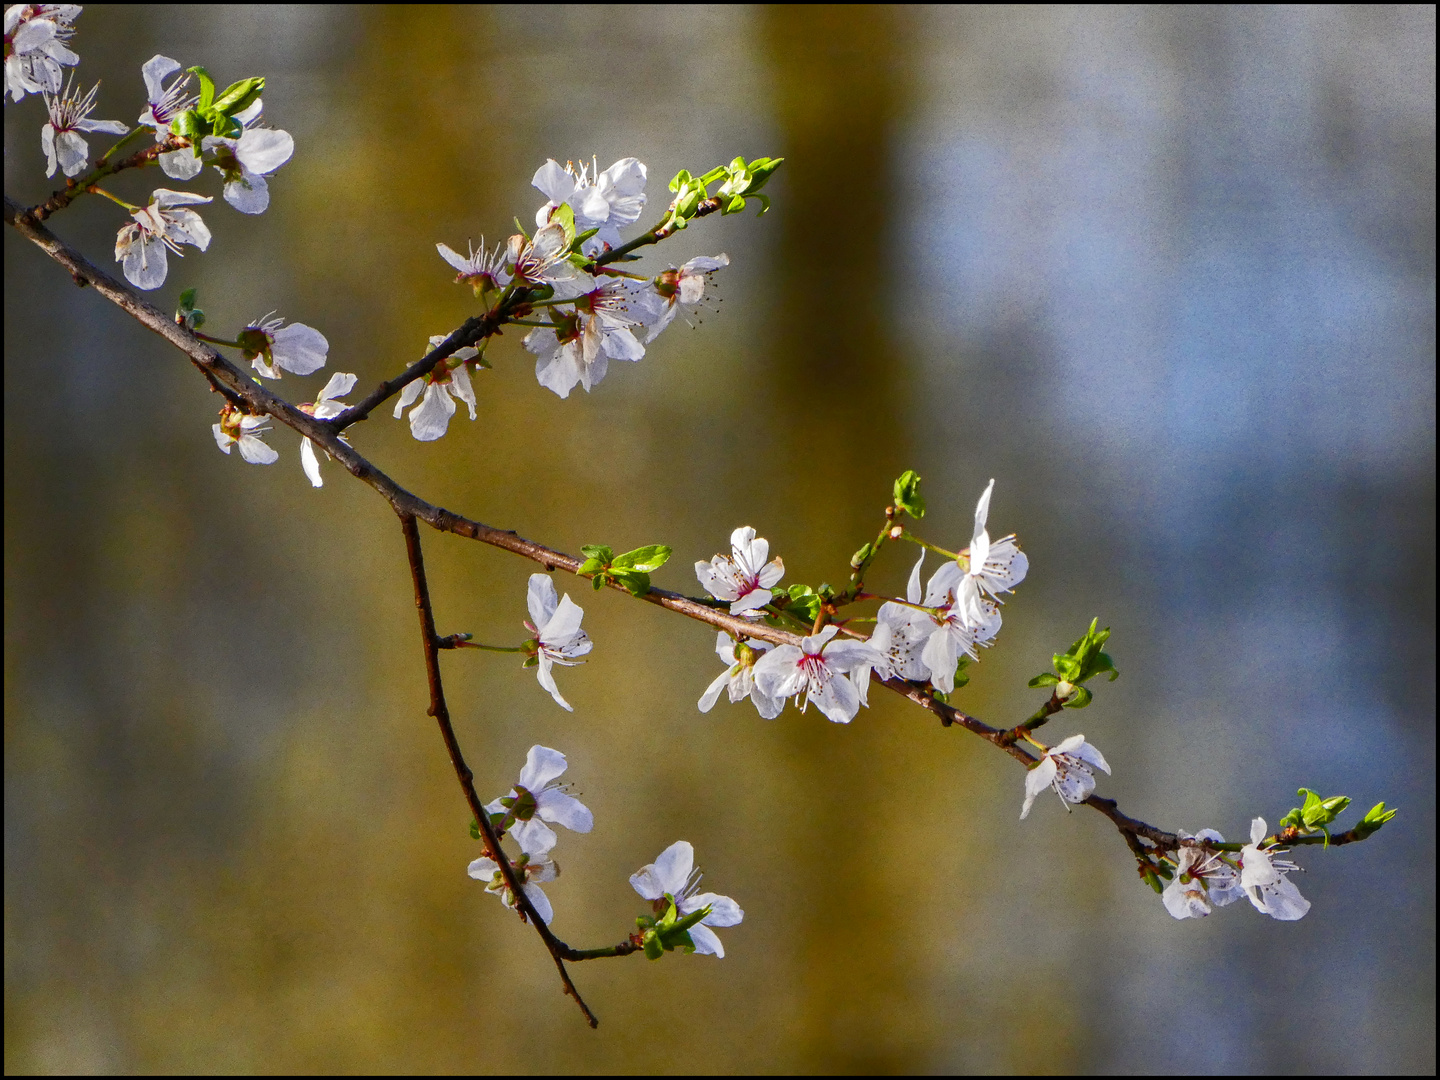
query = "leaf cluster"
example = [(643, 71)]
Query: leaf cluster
[(670, 930), (631, 570), (1083, 660), (1316, 814), (742, 181), (214, 114)]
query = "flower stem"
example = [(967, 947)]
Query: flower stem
[(908, 535), (490, 648), (118, 201)]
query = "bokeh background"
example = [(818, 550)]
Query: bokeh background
[(1167, 274)]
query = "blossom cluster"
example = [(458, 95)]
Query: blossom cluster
[(919, 639), (538, 800), (1204, 876)]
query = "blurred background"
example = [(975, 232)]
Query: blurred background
[(1166, 274)]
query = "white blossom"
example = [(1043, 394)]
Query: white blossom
[(1266, 880), (240, 429), (324, 407), (579, 348), (949, 629), (1202, 878), (482, 271), (899, 639), (992, 568), (543, 260), (674, 873), (817, 668), (533, 867), (661, 299), (431, 418), (246, 161), (538, 797), (61, 138), (739, 676), (558, 637), (270, 346), (1066, 768), (35, 47), (141, 244), (743, 577), (163, 105), (600, 200)]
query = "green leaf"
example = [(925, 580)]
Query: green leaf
[(239, 96), (521, 229), (1153, 880), (636, 583), (654, 949), (681, 179), (1372, 821), (598, 581), (565, 216), (803, 602), (860, 557), (1080, 698), (598, 551), (207, 90), (907, 494), (474, 829), (1046, 679), (962, 677), (646, 559)]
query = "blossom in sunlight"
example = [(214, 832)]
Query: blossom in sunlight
[(246, 161), (1266, 879), (36, 49), (739, 676), (948, 629), (579, 348), (600, 200), (673, 874), (62, 137), (270, 345), (538, 797), (323, 408), (817, 668), (743, 577), (482, 271), (441, 387), (992, 568), (163, 105), (1066, 767), (240, 429), (543, 260), (533, 867), (1202, 878), (558, 637), (141, 245), (660, 300)]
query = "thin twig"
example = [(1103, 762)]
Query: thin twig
[(432, 643)]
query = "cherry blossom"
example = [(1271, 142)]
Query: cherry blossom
[(673, 874), (323, 408), (662, 299), (270, 345), (537, 798), (558, 637), (743, 577), (899, 639), (949, 629), (543, 260), (481, 271), (163, 105), (246, 161), (817, 668), (1202, 878), (61, 138), (141, 244), (579, 348), (533, 867), (240, 429), (431, 418), (992, 568), (36, 49), (1065, 767), (739, 676), (1266, 880), (600, 200)]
